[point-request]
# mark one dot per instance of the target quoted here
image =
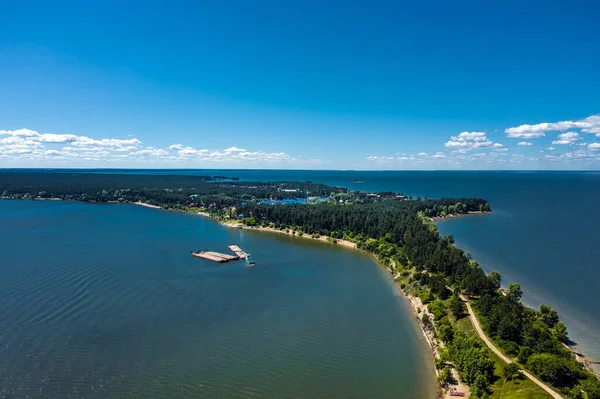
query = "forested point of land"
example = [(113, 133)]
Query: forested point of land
[(396, 229), (163, 190)]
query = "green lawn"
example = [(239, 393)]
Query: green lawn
[(521, 389)]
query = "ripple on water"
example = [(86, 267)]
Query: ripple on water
[(111, 305)]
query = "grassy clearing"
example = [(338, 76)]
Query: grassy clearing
[(501, 389)]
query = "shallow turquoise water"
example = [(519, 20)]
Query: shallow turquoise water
[(104, 301)]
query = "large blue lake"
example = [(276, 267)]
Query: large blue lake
[(104, 301)]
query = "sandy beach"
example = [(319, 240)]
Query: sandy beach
[(343, 243), (147, 205)]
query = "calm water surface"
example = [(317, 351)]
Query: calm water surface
[(104, 301)]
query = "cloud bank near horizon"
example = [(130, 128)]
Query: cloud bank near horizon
[(577, 146), (478, 150), (52, 149)]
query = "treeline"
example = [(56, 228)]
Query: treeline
[(164, 190), (388, 229)]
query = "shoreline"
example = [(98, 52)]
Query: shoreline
[(439, 218), (146, 205), (338, 241)]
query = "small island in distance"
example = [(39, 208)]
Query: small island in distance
[(473, 327)]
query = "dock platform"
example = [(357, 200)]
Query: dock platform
[(238, 251), (215, 256)]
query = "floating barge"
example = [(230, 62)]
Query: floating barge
[(242, 255), (215, 256), (224, 258), (238, 251)]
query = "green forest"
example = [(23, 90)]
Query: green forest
[(167, 191)]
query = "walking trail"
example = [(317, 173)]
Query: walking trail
[(500, 355)]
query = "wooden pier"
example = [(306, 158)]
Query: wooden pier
[(224, 258), (238, 251), (215, 256)]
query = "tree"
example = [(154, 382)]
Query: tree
[(524, 354), (514, 292), (560, 332), (445, 376), (511, 371), (439, 363), (591, 387), (495, 279), (446, 333), (480, 385), (554, 369), (471, 359), (457, 307), (426, 321), (250, 221), (548, 315)]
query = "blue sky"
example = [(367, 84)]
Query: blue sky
[(349, 85)]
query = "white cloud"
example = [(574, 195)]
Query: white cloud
[(523, 132), (189, 151), (156, 152), (234, 149), (422, 154), (13, 149), (12, 140), (566, 138), (439, 155), (591, 124), (524, 143), (467, 141), (32, 145), (56, 138), (176, 147), (20, 133), (83, 141), (594, 146), (52, 138), (239, 156), (380, 158)]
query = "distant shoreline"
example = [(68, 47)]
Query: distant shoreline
[(146, 205), (438, 218)]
